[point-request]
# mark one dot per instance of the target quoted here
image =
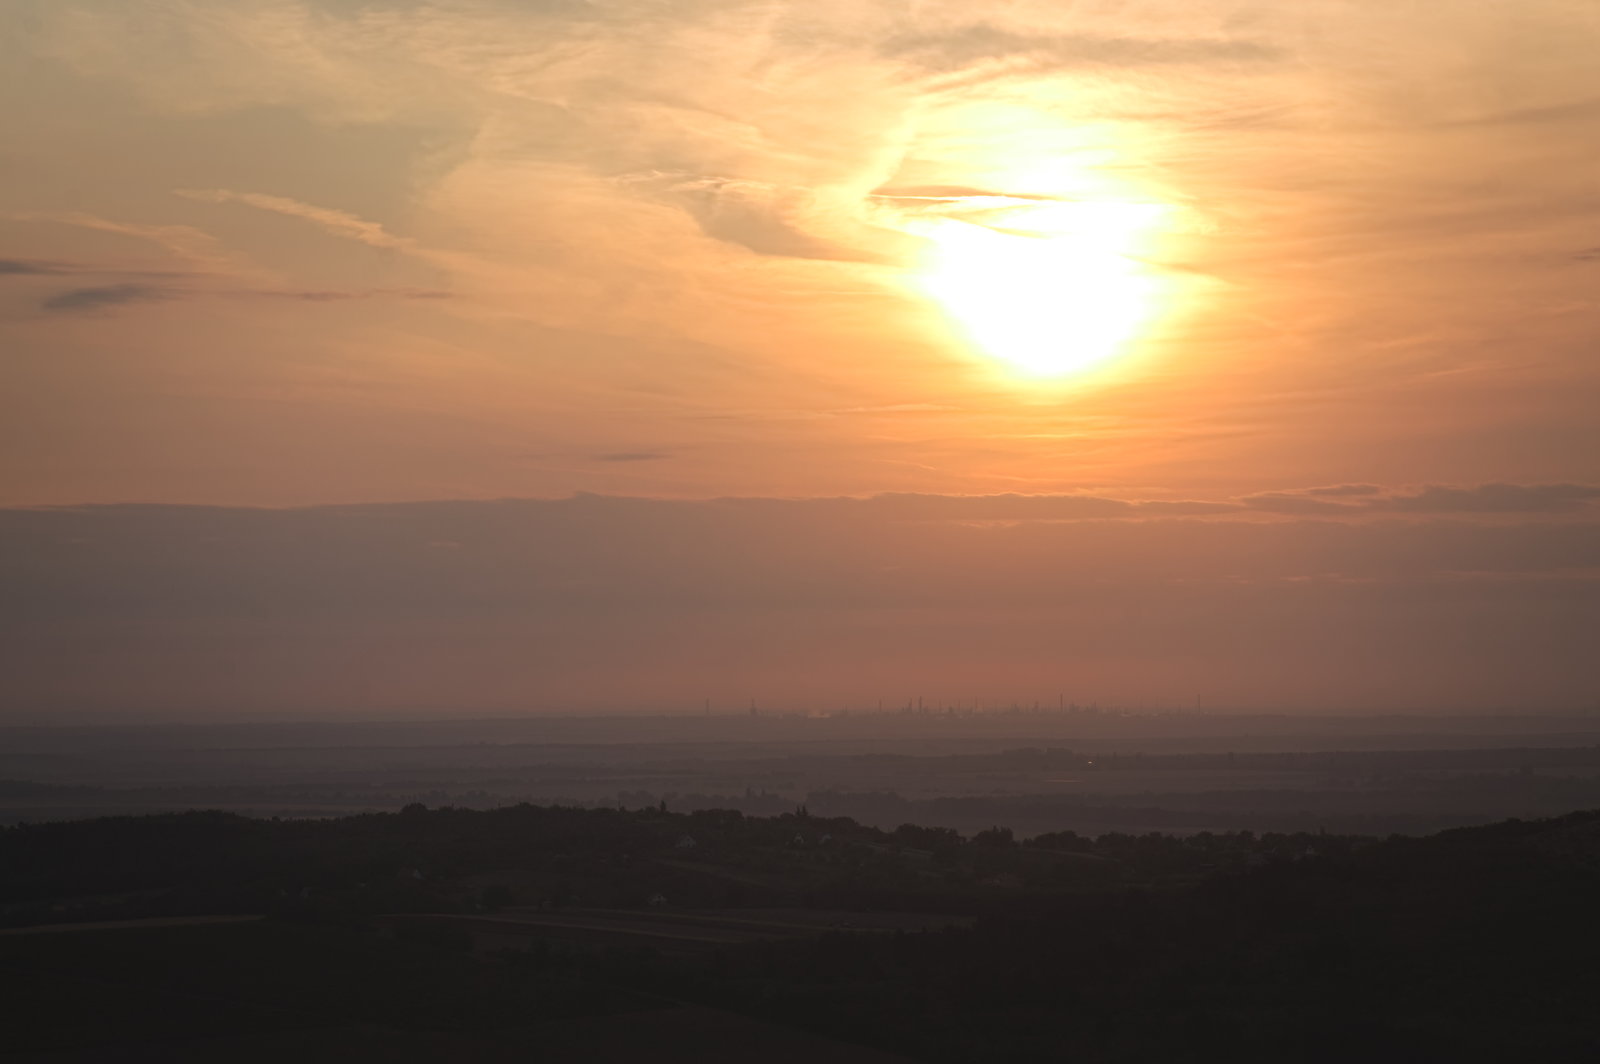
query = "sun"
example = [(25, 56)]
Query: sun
[(1049, 288)]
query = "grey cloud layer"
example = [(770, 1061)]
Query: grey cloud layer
[(97, 298), (103, 297), (1434, 499), (121, 287), (30, 268), (541, 604)]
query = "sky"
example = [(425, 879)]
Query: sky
[(535, 355)]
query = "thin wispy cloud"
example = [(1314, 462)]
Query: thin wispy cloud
[(189, 244), (339, 223), (962, 47)]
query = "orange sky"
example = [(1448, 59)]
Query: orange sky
[(308, 251), (1282, 264)]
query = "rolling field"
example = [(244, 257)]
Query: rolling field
[(673, 931)]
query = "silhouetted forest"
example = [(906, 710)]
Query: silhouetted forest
[(458, 934)]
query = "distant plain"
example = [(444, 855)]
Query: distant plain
[(1033, 771)]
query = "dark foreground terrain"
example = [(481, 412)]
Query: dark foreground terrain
[(557, 933)]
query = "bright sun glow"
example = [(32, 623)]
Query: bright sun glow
[(1048, 287)]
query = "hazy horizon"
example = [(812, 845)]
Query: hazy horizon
[(1434, 600)]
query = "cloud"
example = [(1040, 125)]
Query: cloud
[(1581, 110), (1005, 507), (30, 268), (1360, 499), (104, 297), (900, 408), (762, 217), (339, 223), (633, 456), (47, 268), (1183, 508), (967, 46), (950, 194), (335, 295), (1493, 499), (185, 242), (1284, 502), (1345, 490)]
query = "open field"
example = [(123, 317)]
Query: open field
[(676, 931), (192, 990), (149, 923)]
